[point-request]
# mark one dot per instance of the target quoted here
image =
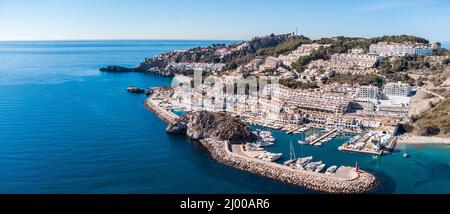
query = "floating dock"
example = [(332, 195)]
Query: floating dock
[(391, 145), (361, 151), (323, 136)]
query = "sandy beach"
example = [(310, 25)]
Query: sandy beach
[(423, 140)]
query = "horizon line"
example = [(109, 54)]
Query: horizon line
[(74, 40), (169, 39)]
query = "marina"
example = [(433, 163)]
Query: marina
[(373, 143), (250, 157)]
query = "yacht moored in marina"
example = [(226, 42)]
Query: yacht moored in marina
[(331, 170), (265, 143), (292, 155), (319, 168), (305, 160), (302, 142), (313, 165), (269, 156)]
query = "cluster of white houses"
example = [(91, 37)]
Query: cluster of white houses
[(277, 104), (208, 67), (303, 50), (354, 60)]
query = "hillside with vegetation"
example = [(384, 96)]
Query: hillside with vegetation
[(435, 120)]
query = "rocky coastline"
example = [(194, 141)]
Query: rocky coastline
[(163, 64)]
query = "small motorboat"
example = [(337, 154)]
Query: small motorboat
[(302, 142), (331, 170), (319, 168)]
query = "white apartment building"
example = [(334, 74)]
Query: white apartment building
[(356, 51), (308, 100), (341, 121), (397, 89), (400, 49), (368, 92)]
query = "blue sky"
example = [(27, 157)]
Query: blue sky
[(219, 19)]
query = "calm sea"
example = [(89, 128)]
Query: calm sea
[(65, 127)]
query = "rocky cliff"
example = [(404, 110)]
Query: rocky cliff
[(217, 126)]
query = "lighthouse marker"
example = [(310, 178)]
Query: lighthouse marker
[(356, 167)]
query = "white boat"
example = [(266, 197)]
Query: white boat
[(303, 129), (265, 134), (304, 161), (265, 143), (269, 139), (289, 162), (313, 165), (331, 170), (318, 144), (311, 138), (253, 147), (320, 168), (302, 142), (292, 155), (274, 156), (270, 157)]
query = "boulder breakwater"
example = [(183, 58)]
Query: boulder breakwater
[(221, 151), (201, 127)]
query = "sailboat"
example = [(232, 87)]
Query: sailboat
[(303, 140), (292, 155)]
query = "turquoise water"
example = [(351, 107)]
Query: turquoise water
[(65, 127)]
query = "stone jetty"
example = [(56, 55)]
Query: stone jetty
[(166, 115), (361, 182)]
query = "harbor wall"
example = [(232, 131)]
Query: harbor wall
[(220, 151), (162, 113)]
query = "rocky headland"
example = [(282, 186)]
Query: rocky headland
[(208, 125), (213, 54)]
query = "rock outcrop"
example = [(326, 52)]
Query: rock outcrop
[(177, 127), (117, 69), (217, 126)]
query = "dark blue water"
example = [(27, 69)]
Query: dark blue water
[(65, 127)]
